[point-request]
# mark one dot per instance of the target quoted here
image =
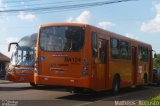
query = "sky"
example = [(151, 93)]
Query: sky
[(139, 19)]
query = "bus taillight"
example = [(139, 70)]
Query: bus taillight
[(36, 69), (85, 68)]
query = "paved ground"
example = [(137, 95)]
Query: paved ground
[(58, 96)]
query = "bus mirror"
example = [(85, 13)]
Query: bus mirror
[(155, 55), (13, 43), (9, 47)]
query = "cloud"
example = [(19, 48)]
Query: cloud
[(3, 28), (105, 24), (70, 19), (12, 39), (4, 47), (26, 16), (1, 5), (22, 3), (4, 50), (152, 25), (86, 17)]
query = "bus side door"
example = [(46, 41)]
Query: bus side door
[(102, 63), (134, 65), (99, 62)]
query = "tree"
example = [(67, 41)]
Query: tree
[(156, 61)]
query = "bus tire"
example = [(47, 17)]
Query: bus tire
[(116, 84), (33, 84)]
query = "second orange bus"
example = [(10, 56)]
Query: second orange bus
[(83, 56)]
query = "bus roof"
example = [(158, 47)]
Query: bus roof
[(28, 41), (64, 24), (103, 30)]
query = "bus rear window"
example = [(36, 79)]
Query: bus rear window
[(62, 38)]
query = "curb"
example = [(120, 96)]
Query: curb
[(5, 82)]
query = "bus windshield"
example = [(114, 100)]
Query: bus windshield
[(62, 38), (23, 57)]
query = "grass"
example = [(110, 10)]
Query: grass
[(153, 101), (157, 98)]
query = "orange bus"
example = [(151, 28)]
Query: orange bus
[(83, 56), (21, 67)]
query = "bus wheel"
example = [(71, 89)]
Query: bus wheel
[(116, 85), (33, 84)]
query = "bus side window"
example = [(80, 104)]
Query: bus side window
[(114, 43), (125, 50), (94, 44), (143, 54)]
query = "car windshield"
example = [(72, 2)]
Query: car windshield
[(62, 38)]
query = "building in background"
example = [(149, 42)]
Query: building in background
[(4, 61)]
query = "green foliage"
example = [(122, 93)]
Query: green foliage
[(156, 61), (156, 98)]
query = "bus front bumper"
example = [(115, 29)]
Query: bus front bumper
[(17, 77)]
